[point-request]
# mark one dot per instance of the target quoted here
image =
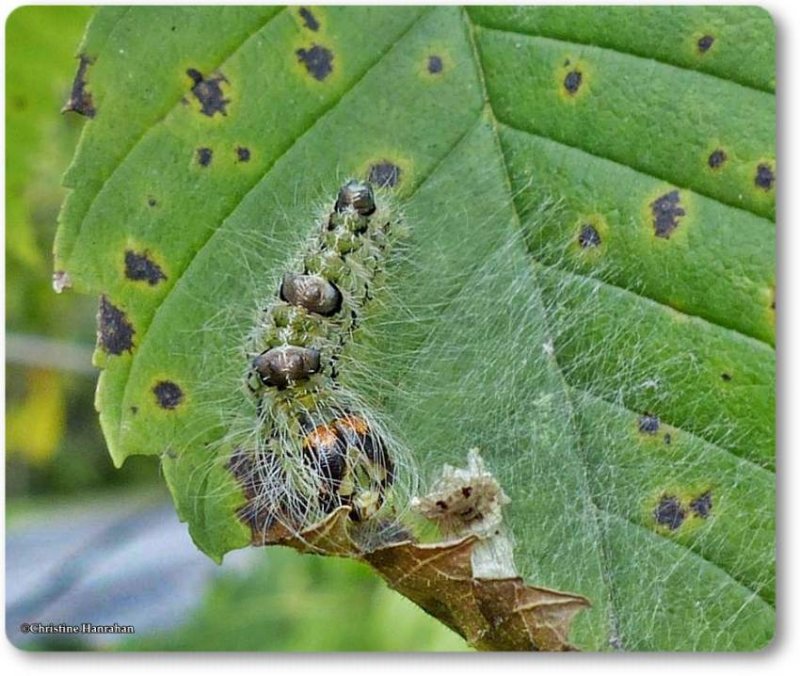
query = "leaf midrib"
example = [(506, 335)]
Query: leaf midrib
[(605, 566), (605, 557)]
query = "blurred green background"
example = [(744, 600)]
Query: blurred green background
[(56, 458)]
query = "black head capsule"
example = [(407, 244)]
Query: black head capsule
[(312, 292), (283, 366), (358, 196)]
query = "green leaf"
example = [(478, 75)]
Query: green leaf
[(587, 294)]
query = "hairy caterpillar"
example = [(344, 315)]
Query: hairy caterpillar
[(315, 447)]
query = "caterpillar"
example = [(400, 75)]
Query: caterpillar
[(316, 447)]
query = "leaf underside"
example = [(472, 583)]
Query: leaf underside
[(587, 295)]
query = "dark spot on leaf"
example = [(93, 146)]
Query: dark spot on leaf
[(134, 410), (669, 512), (317, 60), (435, 64), (114, 331), (572, 81), (566, 62), (765, 177), (701, 505), (141, 268), (168, 394), (441, 504), (208, 91), (243, 154), (174, 28), (589, 237), (384, 174), (704, 43), (466, 491), (151, 202), (649, 424), (667, 438), (309, 20), (717, 158), (80, 99), (666, 212), (727, 377), (204, 156)]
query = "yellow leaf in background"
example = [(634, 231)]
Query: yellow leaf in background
[(35, 427)]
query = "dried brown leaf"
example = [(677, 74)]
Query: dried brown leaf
[(524, 617), (329, 537), (491, 614)]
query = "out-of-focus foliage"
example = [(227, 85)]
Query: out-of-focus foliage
[(38, 421), (39, 142), (40, 43), (52, 437), (305, 603)]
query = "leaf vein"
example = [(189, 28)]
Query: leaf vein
[(135, 143), (661, 538), (637, 169), (755, 342), (595, 45)]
